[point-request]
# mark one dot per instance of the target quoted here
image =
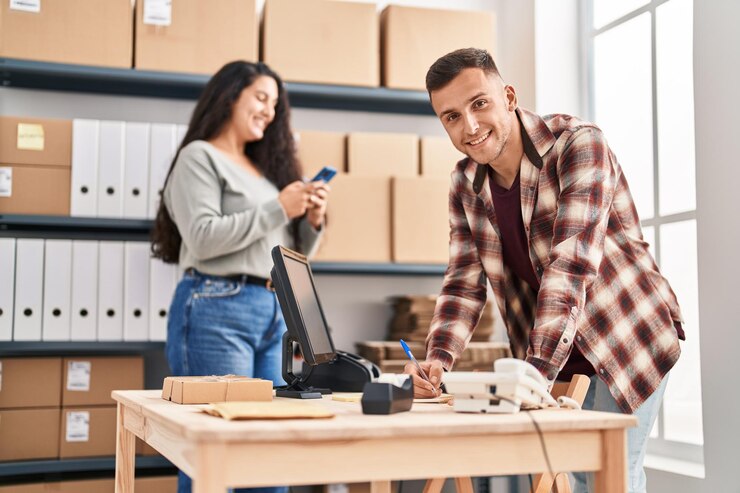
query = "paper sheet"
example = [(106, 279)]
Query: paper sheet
[(357, 397), (267, 410)]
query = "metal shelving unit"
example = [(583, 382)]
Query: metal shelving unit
[(132, 82), (91, 228), (67, 466), (76, 348)]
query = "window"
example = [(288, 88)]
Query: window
[(640, 72)]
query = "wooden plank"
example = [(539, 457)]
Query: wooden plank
[(380, 487), (434, 485), (464, 485)]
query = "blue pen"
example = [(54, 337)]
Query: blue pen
[(418, 366)]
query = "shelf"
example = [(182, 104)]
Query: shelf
[(93, 228), (74, 348), (131, 82), (35, 467)]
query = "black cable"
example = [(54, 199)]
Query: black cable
[(531, 484)]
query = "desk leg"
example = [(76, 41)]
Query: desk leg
[(380, 487), (125, 456), (208, 478), (612, 478)]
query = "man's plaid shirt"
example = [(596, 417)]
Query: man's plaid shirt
[(599, 286)]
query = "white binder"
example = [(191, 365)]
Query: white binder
[(110, 169), (84, 192), (57, 290), (84, 290), (136, 292), (110, 291), (29, 281), (181, 131), (7, 281), (163, 280), (161, 152), (136, 171)]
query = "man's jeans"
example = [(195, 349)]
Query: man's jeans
[(218, 327), (599, 398)]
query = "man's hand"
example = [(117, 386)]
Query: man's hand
[(434, 371)]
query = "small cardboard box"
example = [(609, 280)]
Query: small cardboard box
[(87, 32), (322, 41), (36, 141), (30, 382), (204, 390), (438, 157), (197, 37), (29, 434), (319, 149), (382, 154), (90, 381), (26, 189), (87, 432), (414, 38), (358, 221), (421, 230)]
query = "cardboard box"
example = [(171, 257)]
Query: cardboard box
[(29, 434), (82, 486), (28, 189), (414, 38), (319, 149), (156, 484), (37, 141), (200, 37), (207, 389), (90, 381), (30, 382), (438, 157), (421, 228), (87, 32), (321, 41), (87, 432), (358, 221), (382, 154)]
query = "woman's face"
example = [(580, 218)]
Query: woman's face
[(255, 109)]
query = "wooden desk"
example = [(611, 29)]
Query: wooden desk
[(430, 441)]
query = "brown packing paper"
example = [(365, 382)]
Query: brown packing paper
[(215, 388), (278, 409)]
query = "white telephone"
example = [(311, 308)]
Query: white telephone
[(514, 384)]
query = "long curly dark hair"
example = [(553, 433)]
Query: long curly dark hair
[(274, 155)]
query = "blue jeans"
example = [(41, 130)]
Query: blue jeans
[(599, 398), (217, 326)]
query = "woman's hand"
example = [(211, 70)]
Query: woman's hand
[(295, 199), (317, 203)]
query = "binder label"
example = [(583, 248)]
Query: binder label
[(78, 426), (6, 181), (78, 376), (26, 5), (158, 12), (30, 137)]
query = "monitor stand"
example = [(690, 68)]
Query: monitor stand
[(296, 388)]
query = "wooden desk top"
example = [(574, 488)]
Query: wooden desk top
[(424, 420)]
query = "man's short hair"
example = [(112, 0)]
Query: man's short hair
[(449, 66)]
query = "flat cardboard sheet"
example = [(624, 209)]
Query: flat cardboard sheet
[(278, 409)]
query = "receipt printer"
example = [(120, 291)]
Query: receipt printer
[(346, 373)]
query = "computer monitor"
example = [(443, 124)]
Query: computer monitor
[(299, 302)]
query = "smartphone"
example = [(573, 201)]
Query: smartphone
[(325, 175)]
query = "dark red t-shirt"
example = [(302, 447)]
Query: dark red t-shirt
[(515, 246)]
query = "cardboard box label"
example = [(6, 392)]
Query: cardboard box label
[(6, 182), (26, 5), (158, 12), (78, 376), (78, 426), (30, 137)]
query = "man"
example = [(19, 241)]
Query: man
[(542, 209)]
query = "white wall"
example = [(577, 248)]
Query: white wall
[(716, 108)]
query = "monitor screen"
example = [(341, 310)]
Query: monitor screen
[(299, 302)]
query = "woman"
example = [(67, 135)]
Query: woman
[(233, 192)]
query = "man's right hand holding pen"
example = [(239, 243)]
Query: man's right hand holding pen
[(422, 388)]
